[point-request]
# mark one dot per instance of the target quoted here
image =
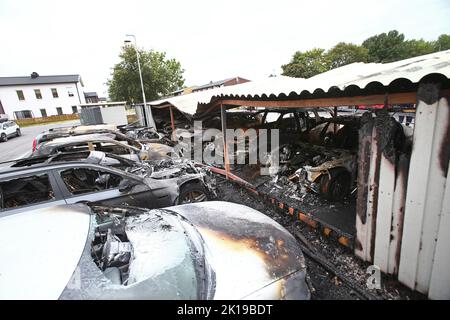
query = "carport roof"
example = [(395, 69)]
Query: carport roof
[(350, 80)]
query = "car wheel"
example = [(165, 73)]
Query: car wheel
[(191, 193), (4, 137), (18, 133), (335, 186)]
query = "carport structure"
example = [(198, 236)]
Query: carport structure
[(403, 202)]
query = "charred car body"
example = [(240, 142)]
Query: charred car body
[(115, 143), (211, 250), (105, 179)]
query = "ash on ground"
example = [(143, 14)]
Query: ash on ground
[(351, 282)]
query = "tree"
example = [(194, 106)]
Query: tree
[(346, 53), (307, 64), (385, 47), (160, 76), (442, 43), (414, 48)]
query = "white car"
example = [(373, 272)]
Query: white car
[(9, 129), (200, 251)]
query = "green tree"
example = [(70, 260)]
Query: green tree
[(442, 43), (385, 47), (160, 76), (346, 53), (307, 64), (414, 48)]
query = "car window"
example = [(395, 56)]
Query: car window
[(25, 191), (272, 117), (84, 180), (288, 123)]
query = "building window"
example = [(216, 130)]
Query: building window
[(44, 113), (20, 95), (54, 93), (74, 109), (24, 114), (59, 111), (38, 94)]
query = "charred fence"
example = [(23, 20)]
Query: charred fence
[(403, 204)]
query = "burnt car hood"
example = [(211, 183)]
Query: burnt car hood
[(248, 251), (236, 253)]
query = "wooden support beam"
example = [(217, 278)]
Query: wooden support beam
[(223, 118), (172, 122), (393, 98)]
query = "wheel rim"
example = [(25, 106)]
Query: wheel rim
[(193, 196)]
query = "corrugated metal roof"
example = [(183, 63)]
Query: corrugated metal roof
[(14, 81), (359, 75)]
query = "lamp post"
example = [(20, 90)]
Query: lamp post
[(144, 112)]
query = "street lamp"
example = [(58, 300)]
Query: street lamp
[(144, 112)]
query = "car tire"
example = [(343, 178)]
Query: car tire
[(192, 193), (18, 133), (4, 137), (335, 186)]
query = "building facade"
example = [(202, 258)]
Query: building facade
[(38, 96)]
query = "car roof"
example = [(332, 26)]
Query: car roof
[(100, 137), (41, 163)]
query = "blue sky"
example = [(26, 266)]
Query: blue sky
[(213, 40)]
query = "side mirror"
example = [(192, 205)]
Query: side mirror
[(126, 185)]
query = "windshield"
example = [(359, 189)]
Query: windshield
[(136, 254)]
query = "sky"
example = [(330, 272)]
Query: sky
[(212, 39)]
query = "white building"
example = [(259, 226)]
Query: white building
[(40, 96)]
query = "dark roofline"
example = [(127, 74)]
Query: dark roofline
[(28, 80), (216, 83)]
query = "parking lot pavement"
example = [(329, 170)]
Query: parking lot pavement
[(20, 147)]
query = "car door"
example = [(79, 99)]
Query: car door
[(11, 130), (29, 191), (88, 184)]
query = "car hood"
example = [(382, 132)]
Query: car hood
[(40, 250), (249, 251), (244, 254)]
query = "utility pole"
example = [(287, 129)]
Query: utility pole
[(144, 111)]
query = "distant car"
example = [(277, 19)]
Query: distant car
[(201, 251), (99, 178), (71, 131), (115, 143), (9, 129), (122, 133)]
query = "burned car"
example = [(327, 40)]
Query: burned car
[(61, 132), (144, 134), (325, 160), (101, 178), (211, 250), (115, 143)]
